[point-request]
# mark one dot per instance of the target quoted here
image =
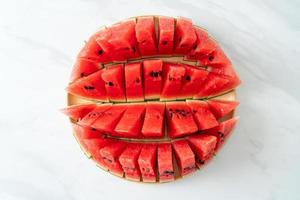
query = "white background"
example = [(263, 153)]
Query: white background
[(39, 157)]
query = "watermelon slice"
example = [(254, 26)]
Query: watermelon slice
[(185, 157), (107, 122), (165, 162), (202, 115), (147, 162), (173, 75), (84, 67), (192, 81), (119, 40), (152, 78), (110, 154), (165, 35), (153, 125), (185, 36), (92, 116), (145, 35), (91, 87), (215, 58), (130, 124), (134, 82), (203, 146), (113, 77), (77, 112), (129, 161), (180, 120), (221, 108)]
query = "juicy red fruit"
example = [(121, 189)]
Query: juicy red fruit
[(165, 35), (134, 82), (165, 162), (147, 162), (152, 75)]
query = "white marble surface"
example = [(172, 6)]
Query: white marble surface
[(39, 157)]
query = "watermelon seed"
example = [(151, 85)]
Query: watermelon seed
[(164, 42), (133, 49), (89, 87), (210, 58), (201, 162), (100, 52), (109, 83), (82, 74), (93, 129), (188, 78), (137, 80), (167, 172), (195, 46)]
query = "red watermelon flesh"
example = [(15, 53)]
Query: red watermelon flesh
[(185, 36), (147, 162), (129, 161), (110, 154), (180, 120), (202, 115), (216, 58), (119, 40), (134, 82), (152, 78), (192, 81), (185, 157), (91, 87), (85, 132), (92, 116), (93, 51), (221, 108), (165, 162), (203, 146), (153, 125), (77, 112), (131, 122), (172, 80), (84, 67), (165, 35), (113, 77), (145, 35), (107, 122)]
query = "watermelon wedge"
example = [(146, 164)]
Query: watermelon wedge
[(92, 116), (110, 154), (152, 73), (153, 125), (113, 78), (131, 122), (91, 87), (221, 108), (180, 120), (173, 75), (147, 162), (203, 146), (145, 35), (185, 36), (84, 67), (165, 162), (77, 112), (185, 157), (129, 161), (202, 115), (165, 35), (134, 82), (215, 58)]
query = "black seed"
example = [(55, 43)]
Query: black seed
[(137, 80), (89, 87), (100, 52), (82, 74), (210, 58), (201, 162), (93, 129), (195, 46), (151, 74), (167, 172), (109, 83), (133, 49), (188, 78), (164, 42), (155, 74)]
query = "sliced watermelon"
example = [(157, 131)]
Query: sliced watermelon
[(203, 146), (92, 87), (92, 116), (215, 58), (82, 132), (152, 78), (119, 40), (110, 154), (131, 122), (153, 125), (129, 161), (192, 81), (134, 82), (202, 115), (180, 120), (185, 157), (223, 131), (165, 162), (145, 35), (77, 112), (113, 77), (173, 75), (221, 108), (165, 34), (147, 162), (93, 51), (84, 67), (185, 36), (107, 122)]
